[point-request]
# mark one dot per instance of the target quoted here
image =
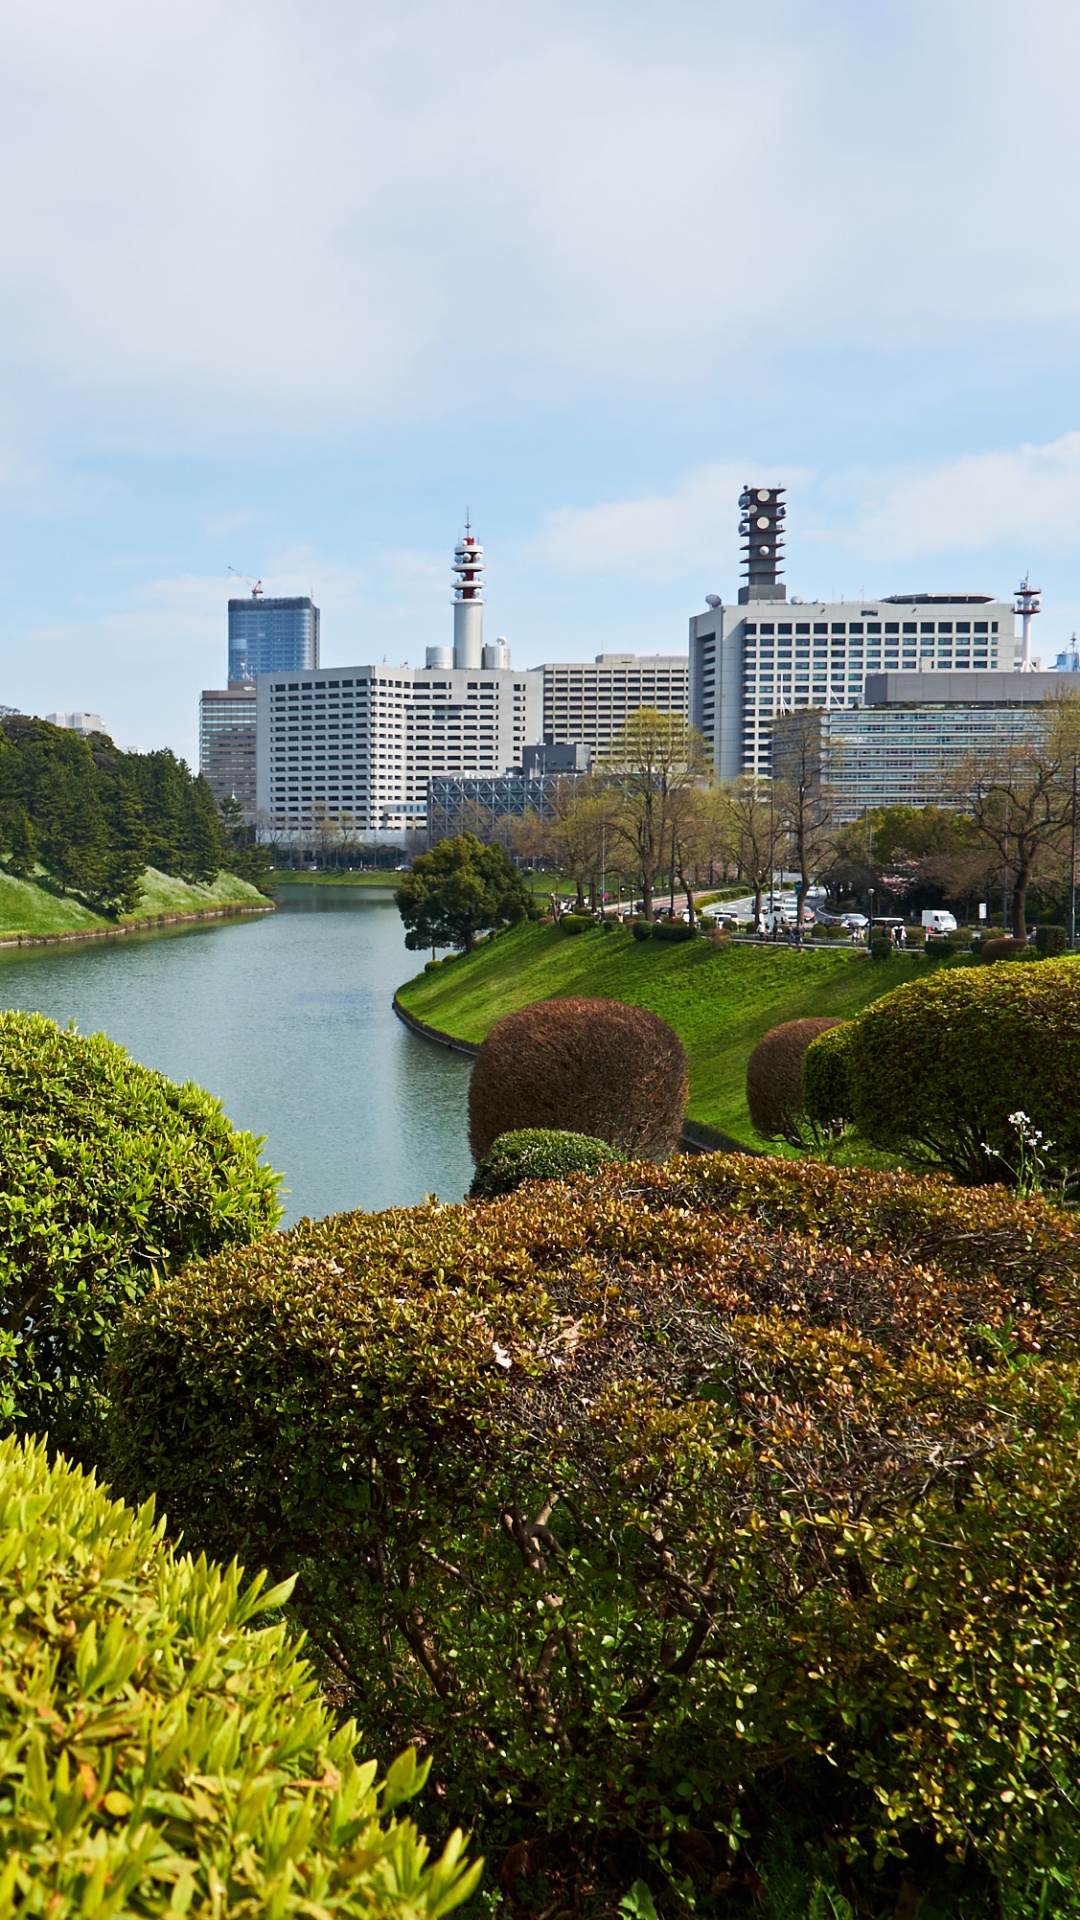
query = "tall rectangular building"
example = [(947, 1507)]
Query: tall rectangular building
[(768, 655), (588, 701), (268, 635), (363, 742), (227, 742)]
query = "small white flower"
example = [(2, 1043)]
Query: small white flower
[(1018, 1119)]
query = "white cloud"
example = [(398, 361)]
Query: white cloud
[(1027, 494), (301, 204)]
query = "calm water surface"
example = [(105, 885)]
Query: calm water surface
[(287, 1019)]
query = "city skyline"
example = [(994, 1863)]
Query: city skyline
[(651, 264)]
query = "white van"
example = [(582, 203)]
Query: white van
[(937, 922)]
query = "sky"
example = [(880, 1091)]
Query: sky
[(292, 285)]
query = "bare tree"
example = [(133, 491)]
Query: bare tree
[(654, 760), (803, 798), (749, 833), (1020, 800)]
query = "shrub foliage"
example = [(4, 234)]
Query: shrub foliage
[(598, 1067), (774, 1091), (536, 1153), (109, 1176), (936, 1068), (1002, 946), (660, 1497), (160, 1754)]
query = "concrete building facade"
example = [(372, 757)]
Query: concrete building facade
[(918, 731), (227, 741), (588, 701), (363, 742), (767, 655)]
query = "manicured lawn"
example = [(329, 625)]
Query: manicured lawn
[(719, 1002), (27, 907)]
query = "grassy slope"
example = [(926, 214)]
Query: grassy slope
[(719, 1002), (26, 907)]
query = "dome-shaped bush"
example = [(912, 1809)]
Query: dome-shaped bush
[(945, 1069), (730, 1485), (159, 1754), (584, 1066), (109, 1175), (536, 1153), (774, 1092), (1002, 946), (826, 1089)]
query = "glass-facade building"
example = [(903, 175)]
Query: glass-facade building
[(268, 635)]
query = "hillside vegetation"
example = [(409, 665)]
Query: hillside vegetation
[(719, 1001), (33, 907)]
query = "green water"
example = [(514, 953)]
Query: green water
[(287, 1019)]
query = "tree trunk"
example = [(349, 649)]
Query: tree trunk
[(1019, 902)]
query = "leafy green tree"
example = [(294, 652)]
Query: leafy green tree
[(18, 840), (458, 890), (244, 854), (654, 760)]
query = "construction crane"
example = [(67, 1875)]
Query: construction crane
[(255, 585)]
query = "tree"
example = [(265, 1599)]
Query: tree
[(654, 759), (19, 841), (698, 822), (803, 798), (245, 855), (458, 890), (1020, 800), (750, 825), (580, 831)]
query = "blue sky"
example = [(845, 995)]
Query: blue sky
[(289, 286)]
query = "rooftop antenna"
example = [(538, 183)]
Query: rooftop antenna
[(1027, 604)]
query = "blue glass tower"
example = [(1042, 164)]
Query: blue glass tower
[(272, 636)]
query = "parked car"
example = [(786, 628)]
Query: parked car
[(855, 922)]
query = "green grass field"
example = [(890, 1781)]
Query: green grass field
[(720, 1002), (28, 907)]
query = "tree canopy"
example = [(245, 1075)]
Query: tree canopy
[(458, 890)]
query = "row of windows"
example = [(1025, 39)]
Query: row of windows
[(856, 628)]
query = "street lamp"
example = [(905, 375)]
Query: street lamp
[(870, 928)]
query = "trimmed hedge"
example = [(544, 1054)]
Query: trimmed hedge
[(110, 1176), (1051, 942), (936, 1069), (536, 1153), (641, 929), (1002, 947), (576, 922), (160, 1754), (598, 1067), (774, 1091), (674, 930), (826, 1092), (664, 1498)]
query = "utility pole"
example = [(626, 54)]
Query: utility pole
[(1073, 866)]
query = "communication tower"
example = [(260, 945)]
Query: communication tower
[(762, 531), (1027, 604), (468, 601)]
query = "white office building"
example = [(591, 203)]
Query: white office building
[(361, 743), (767, 655), (586, 702)]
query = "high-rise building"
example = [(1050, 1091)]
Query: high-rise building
[(767, 655), (268, 635), (916, 731), (588, 701), (363, 742), (227, 742)]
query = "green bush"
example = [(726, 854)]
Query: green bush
[(641, 929), (110, 1177), (826, 1093), (1051, 942), (881, 947), (576, 922), (160, 1754), (430, 966), (537, 1153), (673, 930), (661, 1498), (938, 1067)]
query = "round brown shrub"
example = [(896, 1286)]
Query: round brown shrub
[(1002, 947), (583, 1066), (774, 1091)]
